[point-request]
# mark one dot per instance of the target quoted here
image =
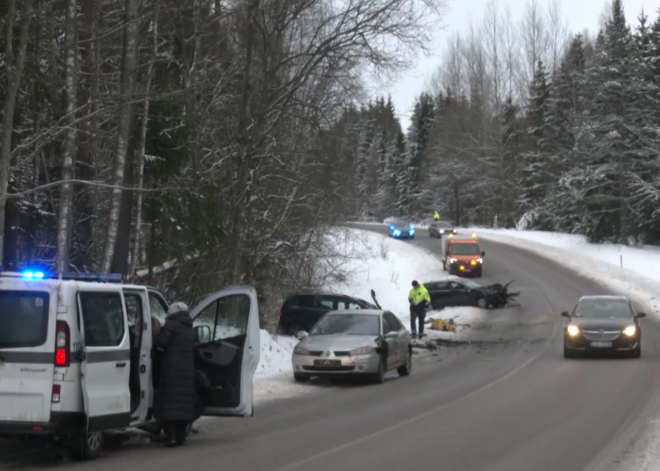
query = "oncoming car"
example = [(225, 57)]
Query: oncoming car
[(365, 342), (603, 324), (439, 228), (401, 229)]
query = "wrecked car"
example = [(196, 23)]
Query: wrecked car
[(460, 292)]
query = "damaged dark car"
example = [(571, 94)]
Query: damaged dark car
[(456, 293)]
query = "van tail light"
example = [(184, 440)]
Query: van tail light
[(62, 344), (56, 393)]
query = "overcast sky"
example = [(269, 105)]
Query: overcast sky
[(580, 14)]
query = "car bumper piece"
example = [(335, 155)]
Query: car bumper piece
[(348, 365)]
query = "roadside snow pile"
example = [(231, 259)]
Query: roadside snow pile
[(630, 270), (392, 265)]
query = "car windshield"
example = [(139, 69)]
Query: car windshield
[(444, 224), (465, 249), (602, 309), (347, 324), (471, 284)]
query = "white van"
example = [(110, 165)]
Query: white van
[(76, 356)]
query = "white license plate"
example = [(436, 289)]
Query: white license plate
[(601, 344)]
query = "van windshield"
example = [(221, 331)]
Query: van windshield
[(465, 249), (23, 319)]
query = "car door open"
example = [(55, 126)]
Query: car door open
[(105, 357), (227, 350)]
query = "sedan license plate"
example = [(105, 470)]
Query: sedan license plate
[(327, 363), (601, 344)]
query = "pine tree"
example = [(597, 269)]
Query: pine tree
[(418, 136), (533, 177)]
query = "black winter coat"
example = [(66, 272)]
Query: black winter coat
[(176, 396)]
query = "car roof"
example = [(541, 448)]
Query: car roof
[(323, 293), (366, 312), (604, 297)]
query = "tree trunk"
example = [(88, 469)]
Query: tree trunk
[(14, 75), (122, 247), (243, 159), (143, 142), (123, 129), (69, 156)]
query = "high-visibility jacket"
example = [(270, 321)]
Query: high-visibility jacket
[(436, 216), (419, 294)]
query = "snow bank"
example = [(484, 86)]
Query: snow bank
[(391, 267), (626, 270)]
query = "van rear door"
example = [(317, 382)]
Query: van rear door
[(106, 357), (27, 351), (227, 352)]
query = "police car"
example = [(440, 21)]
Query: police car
[(400, 229), (76, 355)]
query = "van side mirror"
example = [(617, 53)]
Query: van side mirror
[(202, 334), (301, 334), (640, 314), (565, 314), (483, 254)]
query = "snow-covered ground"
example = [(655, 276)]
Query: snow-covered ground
[(626, 270), (388, 267)]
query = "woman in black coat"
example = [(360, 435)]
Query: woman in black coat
[(175, 402)]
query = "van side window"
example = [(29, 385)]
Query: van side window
[(157, 307), (227, 317), (103, 318)]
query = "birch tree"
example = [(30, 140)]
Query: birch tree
[(128, 64), (69, 147)]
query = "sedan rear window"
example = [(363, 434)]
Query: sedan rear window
[(347, 324), (602, 309), (23, 319)]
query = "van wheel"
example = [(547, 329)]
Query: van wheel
[(88, 446)]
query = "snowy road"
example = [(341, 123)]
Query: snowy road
[(512, 405)]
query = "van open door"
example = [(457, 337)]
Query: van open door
[(105, 357), (227, 349)]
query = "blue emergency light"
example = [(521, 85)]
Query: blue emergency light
[(91, 277), (392, 226)]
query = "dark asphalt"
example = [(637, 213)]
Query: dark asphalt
[(511, 403)]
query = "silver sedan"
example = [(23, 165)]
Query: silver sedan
[(362, 342)]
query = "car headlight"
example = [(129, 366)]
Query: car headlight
[(573, 330), (480, 260), (630, 330), (363, 351), (452, 260), (301, 351), (442, 231)]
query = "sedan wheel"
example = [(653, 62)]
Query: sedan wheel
[(300, 378), (482, 303), (568, 353), (379, 376), (406, 369)]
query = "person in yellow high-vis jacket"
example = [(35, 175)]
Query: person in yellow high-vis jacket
[(419, 299), (436, 216)]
